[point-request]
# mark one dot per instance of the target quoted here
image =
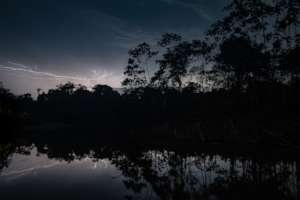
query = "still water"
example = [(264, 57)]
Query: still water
[(43, 172)]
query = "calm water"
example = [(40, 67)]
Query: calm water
[(59, 172)]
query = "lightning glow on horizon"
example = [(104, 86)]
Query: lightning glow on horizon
[(96, 77)]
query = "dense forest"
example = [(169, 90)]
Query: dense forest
[(238, 84)]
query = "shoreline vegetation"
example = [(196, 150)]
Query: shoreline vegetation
[(239, 86)]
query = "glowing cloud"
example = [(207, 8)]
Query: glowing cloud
[(97, 77)]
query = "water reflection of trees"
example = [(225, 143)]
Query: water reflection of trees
[(5, 152), (167, 174), (175, 176)]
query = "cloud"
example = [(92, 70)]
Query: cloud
[(194, 6), (48, 74), (97, 77), (128, 39), (18, 65)]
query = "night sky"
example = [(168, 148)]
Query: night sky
[(47, 42)]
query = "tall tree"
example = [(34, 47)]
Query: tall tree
[(136, 72), (178, 61), (245, 18), (290, 64), (245, 59), (288, 21)]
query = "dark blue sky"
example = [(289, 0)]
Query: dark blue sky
[(46, 42)]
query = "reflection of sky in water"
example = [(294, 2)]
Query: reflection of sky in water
[(38, 177), (34, 163), (35, 176)]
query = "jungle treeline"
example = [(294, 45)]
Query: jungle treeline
[(238, 83)]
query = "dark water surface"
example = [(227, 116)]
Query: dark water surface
[(39, 171)]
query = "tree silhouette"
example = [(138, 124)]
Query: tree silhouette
[(136, 71), (288, 20), (177, 62), (244, 59), (7, 100), (290, 63), (104, 91), (169, 39)]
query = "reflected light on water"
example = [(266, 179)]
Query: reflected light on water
[(51, 173)]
